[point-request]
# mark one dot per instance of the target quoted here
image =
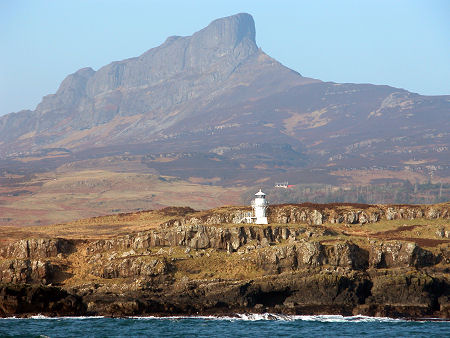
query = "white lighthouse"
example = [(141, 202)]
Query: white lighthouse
[(259, 205)]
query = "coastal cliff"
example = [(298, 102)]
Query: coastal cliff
[(311, 259)]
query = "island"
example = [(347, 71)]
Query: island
[(339, 258)]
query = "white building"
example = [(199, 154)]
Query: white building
[(282, 185), (259, 205)]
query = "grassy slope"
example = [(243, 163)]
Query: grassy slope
[(73, 195)]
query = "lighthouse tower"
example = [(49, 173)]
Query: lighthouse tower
[(259, 205)]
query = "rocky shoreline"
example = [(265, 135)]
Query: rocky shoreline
[(205, 263), (397, 294)]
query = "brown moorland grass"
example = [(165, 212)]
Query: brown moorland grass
[(365, 177), (67, 196), (102, 227)]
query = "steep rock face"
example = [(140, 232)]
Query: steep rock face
[(391, 254), (308, 254), (26, 271), (329, 290), (305, 292), (292, 268), (30, 300), (37, 248), (296, 274), (219, 47), (291, 257), (397, 294), (390, 293), (27, 261), (348, 255), (197, 237)]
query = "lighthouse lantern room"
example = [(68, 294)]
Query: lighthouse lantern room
[(259, 205)]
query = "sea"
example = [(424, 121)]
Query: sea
[(261, 325)]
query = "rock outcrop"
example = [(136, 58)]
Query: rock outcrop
[(27, 261), (37, 248), (130, 267), (23, 300), (318, 214), (307, 254), (321, 213), (27, 271), (302, 292), (391, 254), (197, 237)]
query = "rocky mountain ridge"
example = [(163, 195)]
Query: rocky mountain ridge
[(149, 89)]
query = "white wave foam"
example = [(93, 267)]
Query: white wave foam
[(67, 317), (248, 317), (39, 316), (342, 319), (265, 316), (184, 317), (272, 316)]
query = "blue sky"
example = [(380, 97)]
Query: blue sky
[(402, 43)]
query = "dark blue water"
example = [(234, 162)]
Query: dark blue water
[(244, 326)]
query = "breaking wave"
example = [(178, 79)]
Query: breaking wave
[(233, 325), (280, 317), (248, 317)]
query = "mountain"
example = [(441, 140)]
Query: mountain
[(215, 105), (167, 89)]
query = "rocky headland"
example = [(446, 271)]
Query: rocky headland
[(344, 259)]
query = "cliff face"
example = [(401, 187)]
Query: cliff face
[(317, 214), (202, 262)]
